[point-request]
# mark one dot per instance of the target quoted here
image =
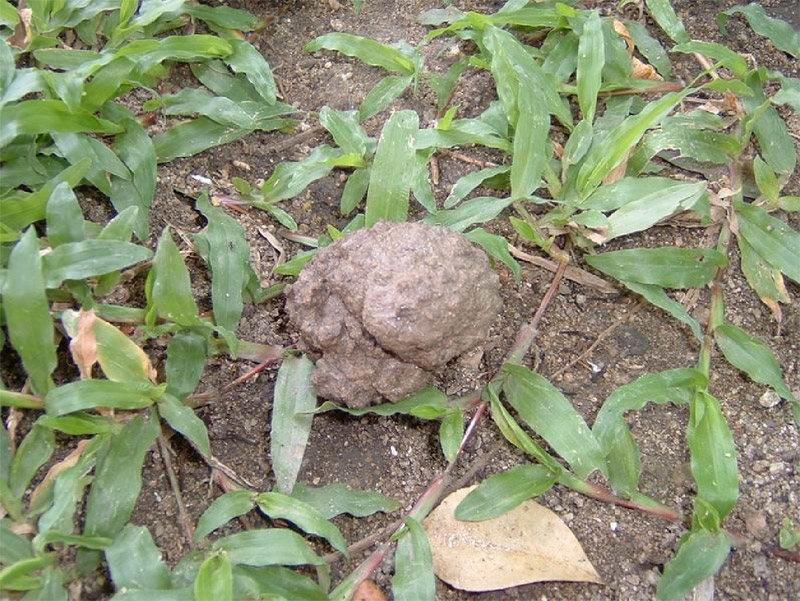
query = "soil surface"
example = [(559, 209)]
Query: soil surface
[(399, 456)]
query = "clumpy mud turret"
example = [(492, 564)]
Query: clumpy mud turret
[(385, 306)]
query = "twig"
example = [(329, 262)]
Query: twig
[(198, 400), (667, 86), (784, 554), (183, 517), (603, 335), (297, 139), (575, 274), (466, 158)]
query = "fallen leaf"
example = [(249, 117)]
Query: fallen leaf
[(84, 346), (368, 591), (66, 463), (641, 70), (528, 544), (620, 28)]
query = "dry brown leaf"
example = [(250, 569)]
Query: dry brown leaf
[(620, 28), (528, 544), (368, 591), (640, 70), (22, 32), (84, 346), (66, 463)]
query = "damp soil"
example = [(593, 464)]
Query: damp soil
[(399, 456)]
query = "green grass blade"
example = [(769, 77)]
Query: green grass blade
[(336, 499), (183, 419), (503, 492), (413, 578), (591, 59), (172, 286), (88, 394), (713, 455), (345, 129), (354, 190), (553, 418), (291, 421), (496, 247), (186, 359), (655, 295), (667, 267), (650, 48), (89, 258), (668, 20), (279, 506), (469, 182), (451, 431), (30, 327), (135, 562), (771, 238), (367, 50), (273, 546), (224, 508), (777, 146), (752, 357), (33, 452), (386, 91), (530, 141), (719, 53), (390, 176), (699, 556), (470, 212), (762, 277), (34, 117), (780, 33), (120, 358), (247, 60), (224, 16), (214, 579)]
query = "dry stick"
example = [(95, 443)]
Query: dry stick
[(430, 498), (183, 517), (297, 139), (575, 274), (603, 335), (466, 158), (198, 400)]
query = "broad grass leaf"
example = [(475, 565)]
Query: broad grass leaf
[(650, 48), (413, 566), (137, 151), (183, 419), (626, 191), (9, 398), (463, 132), (120, 358), (548, 412), (622, 456), (88, 394), (244, 114), (771, 238), (17, 214), (721, 54), (294, 399), (246, 59), (777, 147), (172, 287), (33, 117), (503, 492), (282, 583), (279, 506), (229, 257), (699, 556), (789, 94), (562, 60), (214, 580), (354, 190), (118, 478), (650, 209), (64, 217), (89, 258), (289, 179), (470, 212), (186, 359), (268, 547), (591, 59), (667, 267), (469, 182), (530, 141), (345, 129), (451, 431), (527, 544), (713, 454), (193, 137), (753, 357), (78, 424), (606, 155), (294, 266), (386, 91), (173, 594), (578, 144), (762, 277), (224, 508), (420, 181), (30, 327), (390, 175), (668, 20), (224, 16), (214, 75), (13, 547), (698, 144), (336, 499), (766, 180), (135, 562), (496, 247), (780, 33), (106, 82), (367, 50), (33, 452), (18, 577), (428, 403), (655, 295)]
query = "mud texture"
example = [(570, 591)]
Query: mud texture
[(387, 306)]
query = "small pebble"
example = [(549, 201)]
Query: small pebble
[(769, 399)]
